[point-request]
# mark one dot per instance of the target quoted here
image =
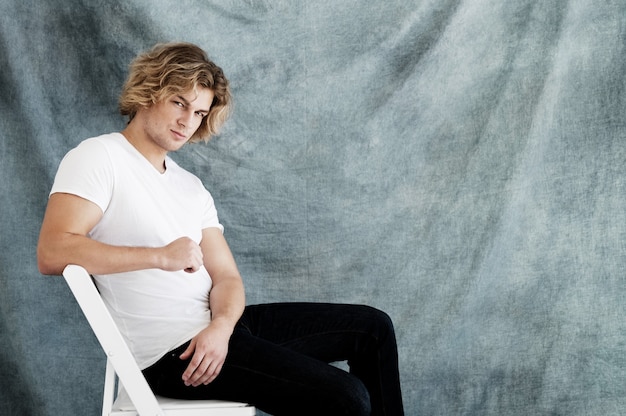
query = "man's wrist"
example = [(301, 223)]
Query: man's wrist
[(223, 323)]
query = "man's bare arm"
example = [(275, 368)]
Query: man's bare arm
[(63, 240), (209, 348)]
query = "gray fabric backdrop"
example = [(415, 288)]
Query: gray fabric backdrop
[(459, 164)]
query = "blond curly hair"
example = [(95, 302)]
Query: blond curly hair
[(171, 69)]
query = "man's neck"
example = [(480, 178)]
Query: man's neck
[(154, 155)]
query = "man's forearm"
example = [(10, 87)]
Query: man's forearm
[(96, 257), (227, 302)]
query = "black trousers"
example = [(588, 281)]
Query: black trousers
[(279, 357)]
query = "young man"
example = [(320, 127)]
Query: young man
[(148, 231)]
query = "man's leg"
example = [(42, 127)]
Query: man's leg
[(277, 361), (361, 335), (275, 379)]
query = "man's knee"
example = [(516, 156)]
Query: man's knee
[(381, 322)]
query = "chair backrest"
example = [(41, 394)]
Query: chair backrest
[(111, 340), (136, 397)]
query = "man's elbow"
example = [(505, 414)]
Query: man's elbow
[(47, 263)]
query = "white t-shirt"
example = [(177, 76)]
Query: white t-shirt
[(155, 310)]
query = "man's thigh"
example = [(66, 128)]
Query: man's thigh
[(327, 332), (274, 378)]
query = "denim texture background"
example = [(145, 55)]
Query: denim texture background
[(458, 164)]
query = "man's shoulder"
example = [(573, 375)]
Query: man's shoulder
[(176, 170), (109, 146), (94, 153), (104, 140)]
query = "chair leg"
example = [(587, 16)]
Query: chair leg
[(109, 389)]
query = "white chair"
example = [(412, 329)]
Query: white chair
[(134, 396)]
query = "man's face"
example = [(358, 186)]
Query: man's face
[(170, 123)]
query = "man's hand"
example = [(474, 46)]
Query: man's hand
[(182, 254), (208, 350)]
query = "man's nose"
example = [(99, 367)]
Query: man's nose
[(185, 119)]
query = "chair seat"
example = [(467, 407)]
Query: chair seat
[(124, 404)]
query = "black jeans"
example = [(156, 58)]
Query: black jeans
[(278, 361)]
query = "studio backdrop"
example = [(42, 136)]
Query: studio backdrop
[(458, 164)]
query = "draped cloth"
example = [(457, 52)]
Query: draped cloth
[(458, 164)]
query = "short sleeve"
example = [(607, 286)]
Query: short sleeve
[(86, 171), (209, 217)]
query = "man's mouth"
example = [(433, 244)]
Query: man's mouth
[(179, 136)]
